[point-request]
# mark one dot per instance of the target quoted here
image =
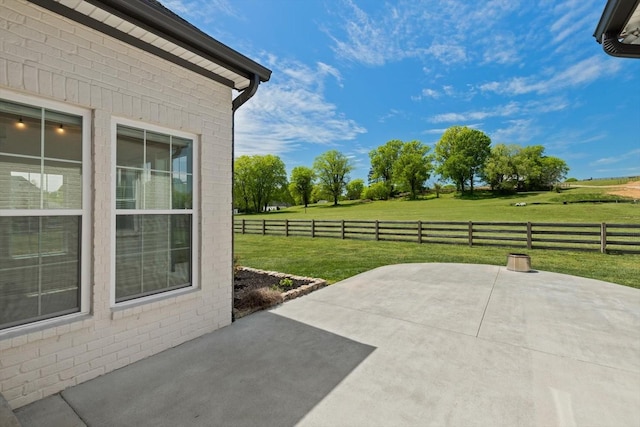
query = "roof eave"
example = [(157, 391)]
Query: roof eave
[(614, 17), (174, 29)]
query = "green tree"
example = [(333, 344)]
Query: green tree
[(354, 189), (383, 160), (376, 191), (332, 169), (413, 166), (501, 167), (301, 184), (257, 179), (461, 153)]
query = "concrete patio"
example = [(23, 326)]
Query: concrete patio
[(413, 344)]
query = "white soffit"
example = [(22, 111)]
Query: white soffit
[(240, 82), (631, 32)]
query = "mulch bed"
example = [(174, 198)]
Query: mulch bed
[(253, 289)]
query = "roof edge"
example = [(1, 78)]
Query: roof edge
[(181, 30), (614, 17)]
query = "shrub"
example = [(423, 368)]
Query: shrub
[(376, 191), (259, 299), (284, 285)]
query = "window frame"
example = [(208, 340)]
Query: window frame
[(84, 213), (194, 212)]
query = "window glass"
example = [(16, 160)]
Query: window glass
[(62, 185), (20, 129), (40, 171), (130, 147), (153, 250), (39, 268), (157, 190), (62, 136), (21, 182)]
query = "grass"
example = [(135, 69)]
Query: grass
[(335, 260), (609, 181), (541, 207)]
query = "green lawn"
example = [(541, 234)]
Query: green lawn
[(541, 207), (334, 259)]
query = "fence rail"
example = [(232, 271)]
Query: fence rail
[(602, 237)]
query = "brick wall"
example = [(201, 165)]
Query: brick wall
[(53, 58)]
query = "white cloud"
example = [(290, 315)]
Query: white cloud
[(517, 131), (291, 111), (449, 32), (616, 159), (578, 74)]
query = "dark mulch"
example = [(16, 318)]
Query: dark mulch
[(246, 281)]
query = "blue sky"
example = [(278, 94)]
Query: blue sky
[(351, 75)]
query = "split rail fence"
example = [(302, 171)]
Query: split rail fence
[(602, 237)]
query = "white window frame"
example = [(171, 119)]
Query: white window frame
[(84, 213), (194, 211)]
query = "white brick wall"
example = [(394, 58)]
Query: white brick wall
[(48, 56)]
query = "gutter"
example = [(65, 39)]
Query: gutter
[(238, 101), (615, 16)]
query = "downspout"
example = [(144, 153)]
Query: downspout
[(244, 96)]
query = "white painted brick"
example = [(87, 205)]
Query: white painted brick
[(26, 399), (14, 74), (87, 356), (19, 380), (74, 371), (68, 62), (9, 372), (89, 375), (17, 355), (71, 352), (53, 345), (56, 367), (37, 363)]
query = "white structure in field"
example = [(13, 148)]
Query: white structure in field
[(116, 142)]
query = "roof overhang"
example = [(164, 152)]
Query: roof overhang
[(149, 26), (619, 28)]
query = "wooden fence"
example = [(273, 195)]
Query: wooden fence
[(605, 238)]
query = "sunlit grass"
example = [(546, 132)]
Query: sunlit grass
[(541, 207), (334, 259)]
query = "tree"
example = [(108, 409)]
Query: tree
[(461, 153), (301, 184), (413, 166), (354, 189), (501, 168), (257, 179), (383, 159), (376, 191), (332, 169), (512, 167)]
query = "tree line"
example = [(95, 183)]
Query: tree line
[(462, 156)]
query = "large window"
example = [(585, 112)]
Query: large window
[(41, 212), (154, 219)]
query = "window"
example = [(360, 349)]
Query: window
[(154, 217), (42, 209)]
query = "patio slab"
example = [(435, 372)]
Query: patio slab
[(413, 344)]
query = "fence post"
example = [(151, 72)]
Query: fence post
[(286, 228), (470, 233), (377, 231), (264, 227), (243, 225), (419, 231), (313, 228), (603, 238), (342, 230), (529, 236)]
